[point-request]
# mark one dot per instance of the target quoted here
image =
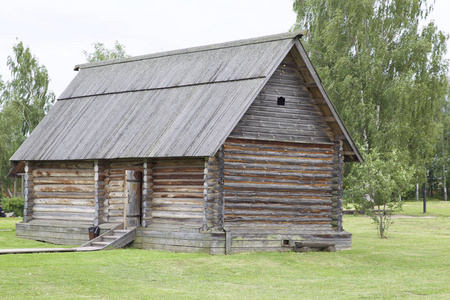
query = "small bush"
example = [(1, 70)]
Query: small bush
[(15, 205)]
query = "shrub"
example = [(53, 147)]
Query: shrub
[(15, 205)]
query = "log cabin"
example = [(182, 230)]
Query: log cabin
[(224, 148)]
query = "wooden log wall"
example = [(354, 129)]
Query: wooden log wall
[(298, 120), (268, 183), (178, 192), (64, 191)]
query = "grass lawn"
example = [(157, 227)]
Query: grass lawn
[(434, 208), (414, 262), (8, 238)]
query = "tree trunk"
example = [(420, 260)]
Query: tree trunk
[(424, 198), (417, 191), (444, 182)]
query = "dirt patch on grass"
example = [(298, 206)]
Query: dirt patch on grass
[(412, 217)]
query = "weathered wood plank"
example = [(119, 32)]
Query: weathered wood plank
[(64, 188), (41, 172), (65, 201), (63, 208), (64, 180)]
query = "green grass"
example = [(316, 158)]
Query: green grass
[(8, 238), (434, 208), (414, 262)]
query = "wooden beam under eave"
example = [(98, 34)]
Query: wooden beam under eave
[(311, 84), (320, 100), (330, 119), (315, 92), (349, 153)]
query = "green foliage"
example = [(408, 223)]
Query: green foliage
[(24, 101), (376, 186), (438, 169), (15, 205), (102, 53), (381, 61)]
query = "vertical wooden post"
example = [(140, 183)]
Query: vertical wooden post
[(338, 175), (221, 206), (15, 186), (147, 193), (96, 198), (29, 194), (22, 185), (144, 194), (106, 203), (205, 194), (227, 242)]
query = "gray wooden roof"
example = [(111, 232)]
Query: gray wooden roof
[(171, 104)]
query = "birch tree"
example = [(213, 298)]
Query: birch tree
[(382, 61), (24, 101), (102, 53)]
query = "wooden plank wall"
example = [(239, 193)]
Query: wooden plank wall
[(180, 199), (63, 191), (277, 183), (178, 192), (299, 120)]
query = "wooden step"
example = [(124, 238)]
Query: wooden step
[(88, 248), (120, 232), (99, 244), (110, 238), (113, 238)]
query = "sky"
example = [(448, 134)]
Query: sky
[(58, 32)]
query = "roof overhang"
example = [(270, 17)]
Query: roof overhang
[(17, 167)]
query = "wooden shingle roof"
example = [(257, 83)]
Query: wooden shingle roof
[(171, 104)]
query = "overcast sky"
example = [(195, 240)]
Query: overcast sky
[(57, 32)]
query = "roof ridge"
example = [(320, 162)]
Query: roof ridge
[(236, 43)]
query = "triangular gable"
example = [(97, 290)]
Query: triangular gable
[(285, 111), (308, 115)]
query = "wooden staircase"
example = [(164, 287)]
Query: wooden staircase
[(116, 237)]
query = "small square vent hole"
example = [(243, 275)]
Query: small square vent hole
[(285, 243), (281, 101)]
